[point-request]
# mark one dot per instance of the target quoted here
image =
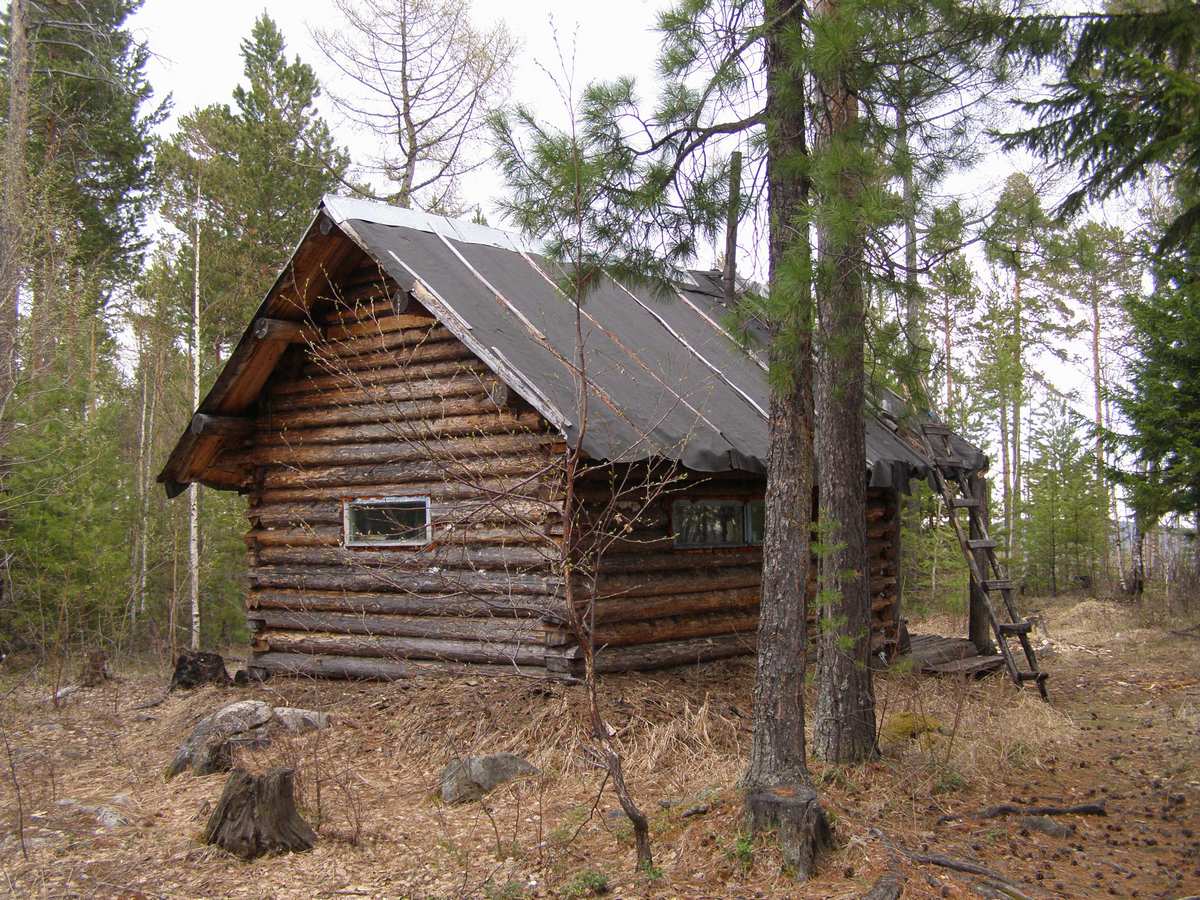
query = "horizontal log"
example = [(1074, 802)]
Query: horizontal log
[(391, 411), (314, 386), (365, 602), (546, 488), (675, 628), (707, 601), (615, 584), (426, 429), (308, 396), (463, 472), (450, 449), (386, 324), (358, 668), (285, 331), (327, 643), (497, 630), (673, 653), (404, 559), (347, 309), (400, 342), (323, 361), (468, 583), (472, 534), (221, 426)]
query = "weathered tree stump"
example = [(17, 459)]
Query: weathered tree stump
[(799, 822), (95, 669), (257, 815), (194, 668)]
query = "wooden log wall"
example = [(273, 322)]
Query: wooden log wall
[(380, 400), (658, 605), (377, 399)]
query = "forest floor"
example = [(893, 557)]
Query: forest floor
[(1123, 730)]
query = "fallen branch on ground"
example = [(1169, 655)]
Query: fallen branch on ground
[(997, 880), (1011, 809)]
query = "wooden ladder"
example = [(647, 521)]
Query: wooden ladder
[(952, 484)]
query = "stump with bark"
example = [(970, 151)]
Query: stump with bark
[(194, 668), (95, 669), (257, 815), (799, 822)]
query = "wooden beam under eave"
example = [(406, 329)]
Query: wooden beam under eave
[(221, 426), (286, 331)]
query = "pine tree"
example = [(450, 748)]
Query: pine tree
[(1127, 102)]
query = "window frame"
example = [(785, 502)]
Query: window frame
[(743, 502), (420, 540)]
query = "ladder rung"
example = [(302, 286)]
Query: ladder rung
[(964, 502), (982, 544), (998, 584), (1032, 676), (934, 428), (1015, 628)]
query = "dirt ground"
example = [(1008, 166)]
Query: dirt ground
[(97, 818)]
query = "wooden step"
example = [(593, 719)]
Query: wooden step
[(947, 462), (964, 502), (982, 544), (1014, 628), (998, 584), (935, 428)]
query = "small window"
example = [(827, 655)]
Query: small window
[(387, 522), (709, 523), (756, 521)]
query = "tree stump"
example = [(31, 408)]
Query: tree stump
[(194, 668), (799, 822), (257, 815), (95, 669)]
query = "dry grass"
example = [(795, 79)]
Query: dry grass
[(368, 783)]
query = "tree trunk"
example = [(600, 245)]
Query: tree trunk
[(1006, 477), (778, 789), (1098, 410), (1018, 398), (12, 219), (194, 490), (257, 815), (844, 722)]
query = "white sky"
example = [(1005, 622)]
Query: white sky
[(198, 60)]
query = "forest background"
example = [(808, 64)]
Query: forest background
[(165, 163)]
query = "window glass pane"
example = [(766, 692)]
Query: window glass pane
[(756, 521), (708, 523), (387, 521)]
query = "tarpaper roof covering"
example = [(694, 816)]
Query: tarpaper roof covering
[(665, 379)]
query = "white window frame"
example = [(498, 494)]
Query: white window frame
[(350, 502)]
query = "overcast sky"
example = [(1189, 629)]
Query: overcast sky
[(197, 55)]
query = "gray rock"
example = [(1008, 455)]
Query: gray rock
[(207, 749), (301, 721), (1046, 825), (469, 779), (107, 817)]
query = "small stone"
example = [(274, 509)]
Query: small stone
[(698, 810), (301, 721), (1046, 825)]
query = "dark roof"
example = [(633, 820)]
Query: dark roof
[(665, 378)]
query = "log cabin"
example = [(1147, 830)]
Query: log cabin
[(399, 412)]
